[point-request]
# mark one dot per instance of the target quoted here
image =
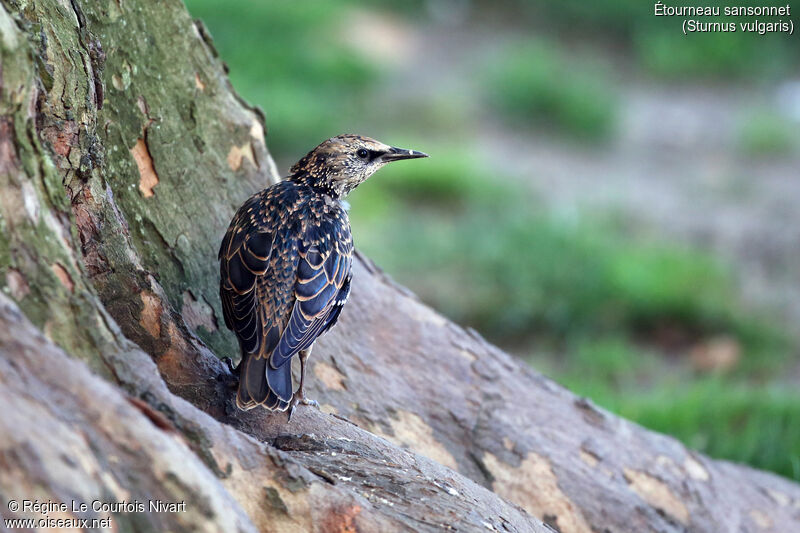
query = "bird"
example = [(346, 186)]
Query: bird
[(285, 266)]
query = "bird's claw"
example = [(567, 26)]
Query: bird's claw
[(313, 403), (300, 400)]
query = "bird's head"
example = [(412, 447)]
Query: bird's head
[(341, 163)]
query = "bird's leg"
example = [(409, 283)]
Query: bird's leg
[(300, 391), (300, 396)]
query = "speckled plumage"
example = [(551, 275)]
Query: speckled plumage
[(285, 264)]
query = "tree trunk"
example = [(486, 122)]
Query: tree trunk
[(123, 154)]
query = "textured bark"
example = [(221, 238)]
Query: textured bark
[(123, 153)]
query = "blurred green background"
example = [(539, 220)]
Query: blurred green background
[(611, 200)]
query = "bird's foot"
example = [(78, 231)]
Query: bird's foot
[(300, 399)]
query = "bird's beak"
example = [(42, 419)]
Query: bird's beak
[(396, 154)]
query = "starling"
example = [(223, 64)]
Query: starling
[(285, 266)]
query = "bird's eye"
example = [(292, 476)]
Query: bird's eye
[(363, 153)]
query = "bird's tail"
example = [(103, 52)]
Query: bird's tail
[(259, 384)]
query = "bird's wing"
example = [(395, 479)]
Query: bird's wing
[(257, 277), (321, 289), (258, 270)]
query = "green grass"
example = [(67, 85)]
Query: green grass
[(725, 417), (537, 84), (732, 421)]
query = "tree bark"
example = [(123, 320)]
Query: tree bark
[(123, 153)]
